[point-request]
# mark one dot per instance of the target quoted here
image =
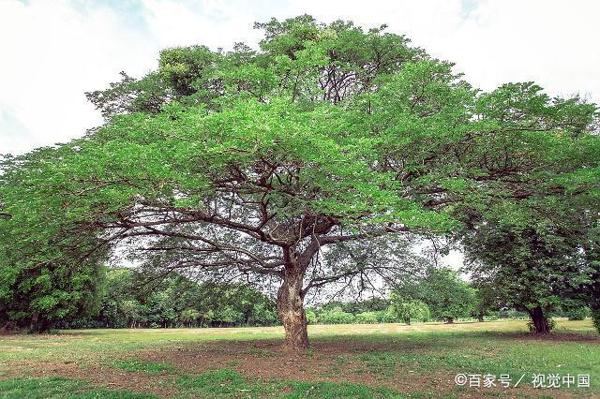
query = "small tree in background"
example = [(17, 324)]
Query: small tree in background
[(407, 310), (132, 310), (441, 289), (311, 316), (366, 318), (579, 313), (591, 247), (485, 302)]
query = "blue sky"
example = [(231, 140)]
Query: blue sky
[(55, 50)]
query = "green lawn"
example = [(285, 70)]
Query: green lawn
[(345, 361)]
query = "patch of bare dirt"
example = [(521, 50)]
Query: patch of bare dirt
[(326, 361)]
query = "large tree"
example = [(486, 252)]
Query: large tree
[(254, 162)]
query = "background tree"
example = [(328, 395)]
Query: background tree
[(359, 306), (189, 317), (590, 239), (441, 289), (407, 310), (485, 301), (527, 234), (528, 266), (130, 298)]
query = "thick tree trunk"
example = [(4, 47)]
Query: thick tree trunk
[(290, 307), (539, 320)]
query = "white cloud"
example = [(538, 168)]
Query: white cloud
[(53, 51), (551, 42), (211, 23)]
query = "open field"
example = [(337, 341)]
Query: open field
[(345, 361)]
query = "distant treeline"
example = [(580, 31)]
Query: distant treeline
[(129, 300)]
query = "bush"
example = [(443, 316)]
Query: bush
[(578, 313), (551, 325), (336, 316), (311, 316), (367, 318), (387, 316)]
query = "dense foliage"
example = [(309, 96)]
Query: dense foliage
[(538, 256), (131, 299)]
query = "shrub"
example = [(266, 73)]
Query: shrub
[(551, 325), (367, 318), (336, 316), (516, 314), (387, 316), (578, 313)]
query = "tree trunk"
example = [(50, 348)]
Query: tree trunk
[(595, 306), (39, 324), (596, 316), (480, 317), (595, 301), (8, 328), (450, 320), (290, 307), (539, 320)]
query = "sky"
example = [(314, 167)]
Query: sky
[(52, 51)]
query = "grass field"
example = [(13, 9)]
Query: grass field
[(345, 361)]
